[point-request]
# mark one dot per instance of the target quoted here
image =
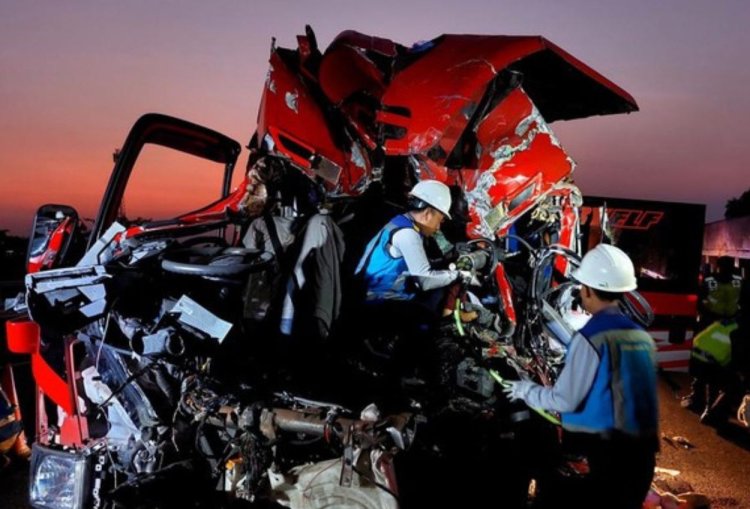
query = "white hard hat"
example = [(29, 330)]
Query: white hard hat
[(606, 268), (435, 194)]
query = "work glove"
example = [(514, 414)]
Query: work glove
[(517, 389), (469, 278)]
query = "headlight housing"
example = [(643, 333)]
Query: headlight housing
[(58, 479)]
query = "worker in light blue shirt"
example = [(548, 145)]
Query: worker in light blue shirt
[(606, 392), (396, 256)]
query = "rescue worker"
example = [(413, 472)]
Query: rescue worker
[(395, 265), (711, 353), (12, 437), (720, 293), (407, 295), (606, 391), (723, 351)]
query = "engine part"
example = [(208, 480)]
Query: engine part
[(474, 378), (164, 342)]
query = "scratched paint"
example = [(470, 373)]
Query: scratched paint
[(490, 210), (270, 83), (291, 100), (358, 157)]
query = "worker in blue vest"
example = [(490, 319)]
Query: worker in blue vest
[(395, 266), (407, 295), (606, 392), (712, 353)]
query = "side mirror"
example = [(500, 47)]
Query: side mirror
[(57, 238)]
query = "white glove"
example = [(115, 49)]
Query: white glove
[(469, 278), (518, 389)]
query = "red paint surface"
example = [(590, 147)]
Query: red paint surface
[(674, 304)]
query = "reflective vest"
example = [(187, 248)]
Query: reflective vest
[(623, 394), (713, 345), (384, 275), (723, 298)]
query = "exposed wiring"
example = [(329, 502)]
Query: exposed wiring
[(127, 381), (115, 468), (522, 241)]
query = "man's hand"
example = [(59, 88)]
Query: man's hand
[(517, 390), (469, 278)]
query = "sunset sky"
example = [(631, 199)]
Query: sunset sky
[(74, 76)]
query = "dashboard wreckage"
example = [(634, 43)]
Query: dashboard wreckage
[(223, 357)]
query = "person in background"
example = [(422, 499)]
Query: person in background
[(711, 353), (12, 437), (734, 380), (606, 392), (720, 294)]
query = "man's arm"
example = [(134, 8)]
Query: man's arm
[(408, 243), (574, 382)]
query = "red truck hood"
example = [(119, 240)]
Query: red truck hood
[(470, 110), (451, 78)]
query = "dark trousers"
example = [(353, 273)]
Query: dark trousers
[(435, 301), (620, 473), (708, 381)]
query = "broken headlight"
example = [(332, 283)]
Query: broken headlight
[(58, 479)]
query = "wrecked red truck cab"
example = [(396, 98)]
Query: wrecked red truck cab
[(186, 352)]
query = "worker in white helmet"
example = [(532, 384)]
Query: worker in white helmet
[(396, 256), (606, 392)]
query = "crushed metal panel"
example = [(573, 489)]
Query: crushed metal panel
[(196, 316), (564, 88), (293, 120), (362, 76), (61, 279), (454, 71), (452, 78), (520, 161), (103, 249)]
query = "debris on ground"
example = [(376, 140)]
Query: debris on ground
[(683, 442), (677, 441), (668, 491), (668, 440)]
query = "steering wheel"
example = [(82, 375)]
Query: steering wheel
[(207, 240), (215, 261)]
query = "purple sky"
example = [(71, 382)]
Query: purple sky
[(74, 76)]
